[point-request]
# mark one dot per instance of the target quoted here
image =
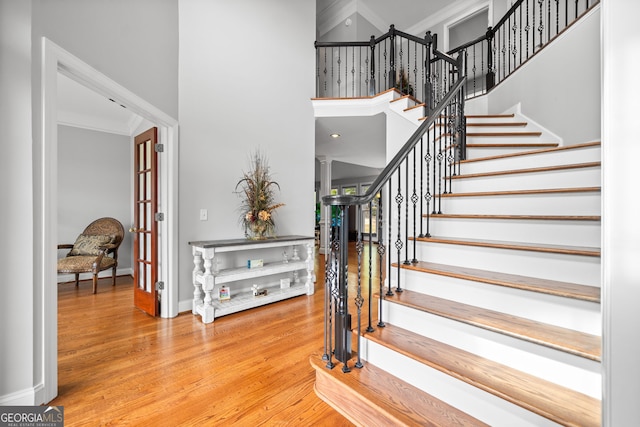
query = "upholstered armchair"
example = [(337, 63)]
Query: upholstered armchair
[(95, 250)]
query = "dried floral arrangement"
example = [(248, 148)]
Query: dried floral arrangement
[(257, 190)]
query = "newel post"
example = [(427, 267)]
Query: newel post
[(428, 92), (372, 80), (392, 57), (491, 75), (343, 318)]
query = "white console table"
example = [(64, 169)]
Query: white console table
[(208, 278)]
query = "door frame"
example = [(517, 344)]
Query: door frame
[(54, 60)]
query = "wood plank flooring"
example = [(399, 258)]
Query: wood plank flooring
[(118, 366)]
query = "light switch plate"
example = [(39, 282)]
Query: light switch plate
[(204, 215)]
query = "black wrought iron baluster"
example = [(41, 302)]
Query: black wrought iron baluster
[(399, 244), (474, 68), (557, 17), (452, 146), (353, 72), (514, 50), (520, 34), (548, 20), (389, 293), (359, 300), (504, 53), (331, 296), (428, 194), (439, 157), (385, 75), (406, 214), (369, 327), (576, 12), (421, 186), (541, 26), (508, 27), (414, 199), (339, 81), (415, 72), (527, 29), (381, 253)]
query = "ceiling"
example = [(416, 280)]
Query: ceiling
[(360, 150)]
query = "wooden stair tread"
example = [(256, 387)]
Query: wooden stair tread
[(563, 339), (528, 170), (371, 396), (552, 401), (519, 217), (533, 284), (532, 152), (501, 134), (525, 192), (513, 145), (532, 247)]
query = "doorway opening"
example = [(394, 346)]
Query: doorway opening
[(57, 60)]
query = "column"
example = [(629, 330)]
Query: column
[(325, 214)]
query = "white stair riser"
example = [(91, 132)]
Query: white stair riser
[(564, 312), (507, 138), (584, 203), (482, 405), (567, 178), (574, 233), (554, 158), (570, 371), (488, 119), (414, 115), (478, 152), (566, 268), (513, 127)]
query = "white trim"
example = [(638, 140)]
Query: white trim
[(460, 8), (54, 60), (463, 16)]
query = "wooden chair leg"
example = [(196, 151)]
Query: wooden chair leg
[(77, 279), (95, 282), (113, 274)]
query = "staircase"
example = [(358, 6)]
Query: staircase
[(499, 322)]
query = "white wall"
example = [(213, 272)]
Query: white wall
[(94, 181), (18, 372), (621, 229), (134, 43), (246, 80), (560, 88)]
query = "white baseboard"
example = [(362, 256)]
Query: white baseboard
[(184, 306), (24, 397), (63, 278)]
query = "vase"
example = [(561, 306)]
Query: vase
[(257, 230)]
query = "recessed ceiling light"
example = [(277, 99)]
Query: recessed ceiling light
[(335, 135)]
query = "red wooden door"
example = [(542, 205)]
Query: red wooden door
[(145, 228)]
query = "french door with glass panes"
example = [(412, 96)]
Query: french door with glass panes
[(145, 229)]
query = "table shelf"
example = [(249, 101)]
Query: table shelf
[(207, 283)]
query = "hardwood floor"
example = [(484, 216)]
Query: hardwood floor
[(118, 366)]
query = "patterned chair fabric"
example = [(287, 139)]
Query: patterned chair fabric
[(95, 250)]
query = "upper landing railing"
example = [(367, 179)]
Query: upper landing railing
[(415, 67)]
